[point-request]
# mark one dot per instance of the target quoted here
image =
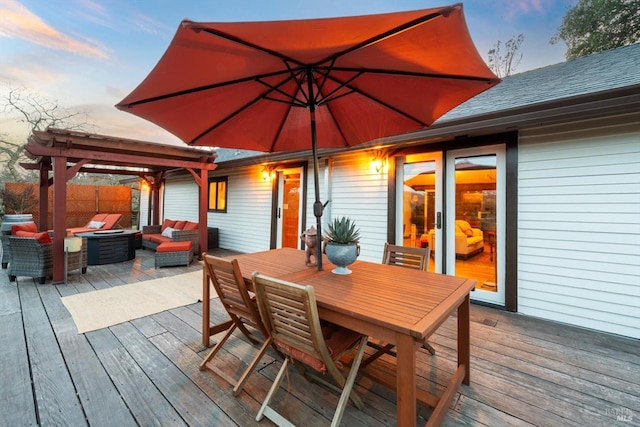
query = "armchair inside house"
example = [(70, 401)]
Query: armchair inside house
[(32, 256), (469, 240)]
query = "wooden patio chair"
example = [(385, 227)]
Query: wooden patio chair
[(290, 314), (408, 257), (227, 280)]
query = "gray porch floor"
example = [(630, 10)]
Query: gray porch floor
[(144, 372)]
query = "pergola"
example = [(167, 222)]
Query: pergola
[(66, 152)]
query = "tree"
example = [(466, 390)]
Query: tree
[(38, 113), (504, 64), (18, 202), (593, 26)]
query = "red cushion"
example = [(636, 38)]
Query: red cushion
[(30, 226), (99, 217), (43, 237), (168, 223), (174, 246), (191, 226), (110, 221), (337, 338), (180, 225), (300, 355), (158, 238)]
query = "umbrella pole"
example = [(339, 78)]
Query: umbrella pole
[(317, 205)]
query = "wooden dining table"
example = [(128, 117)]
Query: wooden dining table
[(397, 305)]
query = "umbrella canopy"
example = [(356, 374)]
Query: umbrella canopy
[(321, 83)]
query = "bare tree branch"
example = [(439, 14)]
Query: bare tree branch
[(37, 113), (504, 64)]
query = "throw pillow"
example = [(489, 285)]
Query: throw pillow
[(168, 232), (180, 225), (168, 223), (95, 224), (191, 226), (43, 237), (30, 226)]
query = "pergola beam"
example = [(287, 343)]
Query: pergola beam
[(67, 152)]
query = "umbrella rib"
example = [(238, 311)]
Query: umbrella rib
[(199, 89), (413, 74), (244, 107), (217, 33), (294, 101), (329, 96), (376, 100), (400, 28), (324, 80)]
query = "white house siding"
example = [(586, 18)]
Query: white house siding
[(143, 217), (361, 194), (246, 226), (181, 199), (579, 224)]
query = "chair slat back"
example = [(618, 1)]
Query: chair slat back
[(290, 314), (406, 256), (230, 286)]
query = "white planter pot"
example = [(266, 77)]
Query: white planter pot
[(342, 255), (13, 219)]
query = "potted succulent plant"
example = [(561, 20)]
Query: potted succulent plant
[(341, 243)]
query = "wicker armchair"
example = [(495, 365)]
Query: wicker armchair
[(6, 251), (33, 259)]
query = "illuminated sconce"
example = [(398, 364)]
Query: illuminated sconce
[(378, 162), (268, 173), (144, 185)]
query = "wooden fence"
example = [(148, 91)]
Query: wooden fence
[(83, 202)]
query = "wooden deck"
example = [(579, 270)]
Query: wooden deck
[(145, 372)]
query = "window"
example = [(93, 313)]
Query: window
[(218, 194)]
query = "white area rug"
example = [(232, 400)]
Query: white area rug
[(108, 307)]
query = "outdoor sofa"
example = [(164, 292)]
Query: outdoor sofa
[(171, 231)]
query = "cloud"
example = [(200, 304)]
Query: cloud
[(16, 21), (515, 9), (148, 25)]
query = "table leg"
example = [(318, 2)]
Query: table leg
[(406, 380), (464, 338), (206, 306), (462, 373)]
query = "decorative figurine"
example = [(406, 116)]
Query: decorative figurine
[(310, 239)]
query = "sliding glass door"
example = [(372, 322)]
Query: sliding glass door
[(419, 208), (475, 219)]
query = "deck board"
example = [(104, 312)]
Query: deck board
[(524, 371), (56, 399)]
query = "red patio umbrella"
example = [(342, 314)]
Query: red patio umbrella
[(315, 83)]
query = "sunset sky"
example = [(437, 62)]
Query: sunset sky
[(89, 54)]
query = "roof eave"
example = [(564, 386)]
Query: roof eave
[(581, 107)]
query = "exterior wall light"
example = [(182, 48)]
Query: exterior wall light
[(268, 173), (378, 163)]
